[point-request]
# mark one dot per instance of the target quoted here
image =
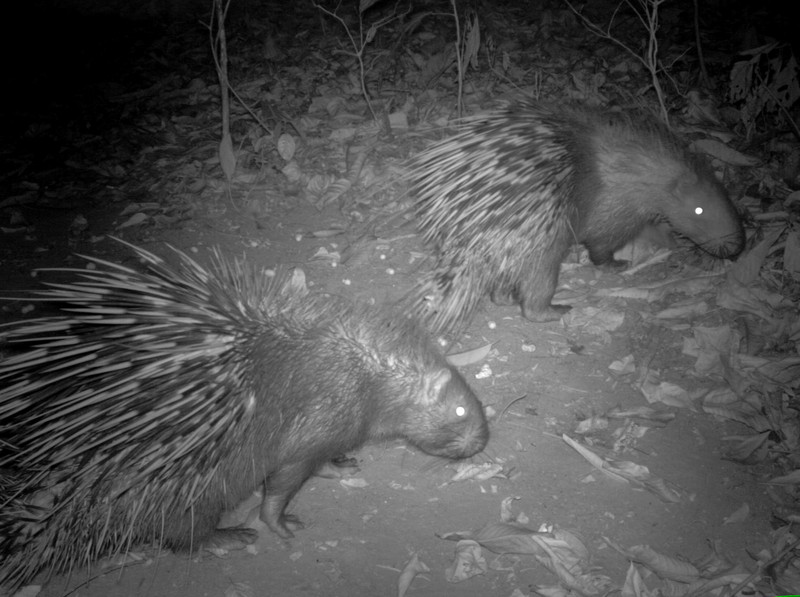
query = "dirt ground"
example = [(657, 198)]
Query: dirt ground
[(539, 383)]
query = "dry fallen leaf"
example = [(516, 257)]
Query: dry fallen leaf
[(634, 585), (468, 562), (661, 418), (629, 472), (664, 566), (469, 357), (479, 472), (414, 567), (749, 449), (739, 516)]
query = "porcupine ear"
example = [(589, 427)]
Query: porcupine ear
[(434, 384)]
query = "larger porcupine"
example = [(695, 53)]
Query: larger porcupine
[(160, 399), (503, 200)]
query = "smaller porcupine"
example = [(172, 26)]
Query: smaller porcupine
[(161, 399), (503, 200)]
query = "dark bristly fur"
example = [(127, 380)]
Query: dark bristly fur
[(160, 399), (502, 201)]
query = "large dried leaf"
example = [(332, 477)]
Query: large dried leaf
[(629, 472), (664, 566)]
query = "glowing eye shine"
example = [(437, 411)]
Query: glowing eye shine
[(460, 411), (698, 211)]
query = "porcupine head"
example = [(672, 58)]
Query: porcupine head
[(706, 216), (364, 378), (645, 175)]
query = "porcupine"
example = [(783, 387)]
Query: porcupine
[(502, 201), (161, 399)]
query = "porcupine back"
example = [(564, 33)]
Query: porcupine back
[(502, 201), (166, 397)]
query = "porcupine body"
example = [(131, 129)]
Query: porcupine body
[(502, 201), (160, 399)]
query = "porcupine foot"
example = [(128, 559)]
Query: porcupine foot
[(230, 538), (503, 297), (272, 514), (536, 288), (279, 488), (531, 312), (543, 314)]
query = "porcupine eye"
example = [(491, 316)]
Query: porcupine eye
[(460, 411), (698, 211)]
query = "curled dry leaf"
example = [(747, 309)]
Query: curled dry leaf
[(468, 562), (469, 357), (414, 567), (714, 562), (623, 366), (570, 564), (634, 585), (286, 146), (746, 269), (353, 483), (503, 537), (666, 491), (748, 449), (323, 254), (591, 425), (506, 513), (742, 580), (328, 191), (560, 551), (642, 412), (689, 311), (784, 372), (328, 232), (479, 472), (792, 478), (297, 283), (664, 566), (741, 412), (680, 285), (135, 220), (722, 152), (552, 591), (667, 393), (629, 472)]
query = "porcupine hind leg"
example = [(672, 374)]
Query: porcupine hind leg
[(538, 281), (196, 530), (504, 294), (279, 488)]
